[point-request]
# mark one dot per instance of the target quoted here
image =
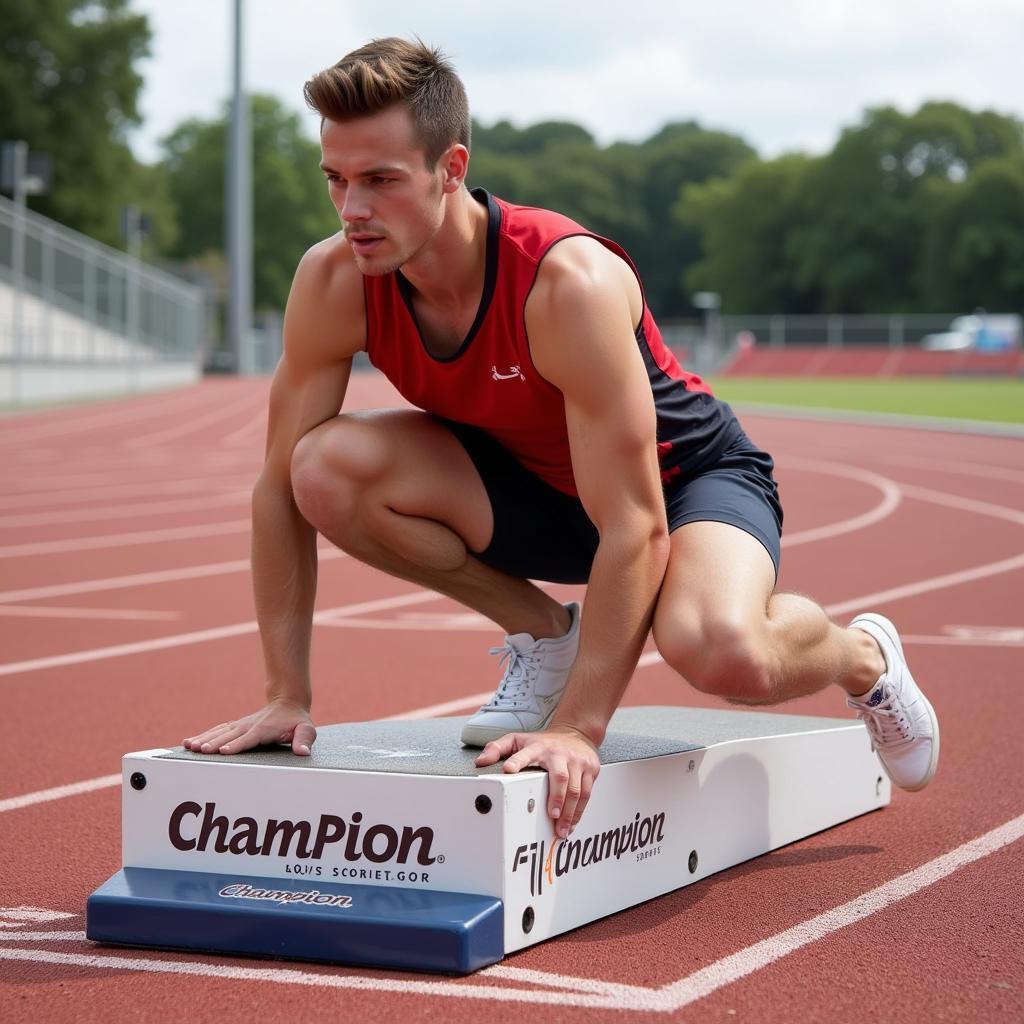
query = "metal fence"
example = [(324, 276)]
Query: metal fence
[(837, 330), (709, 345), (70, 298)]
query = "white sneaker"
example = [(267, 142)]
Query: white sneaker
[(902, 724), (536, 672)]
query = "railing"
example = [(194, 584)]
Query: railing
[(839, 329), (65, 297)]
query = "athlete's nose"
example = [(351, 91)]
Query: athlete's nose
[(355, 208)]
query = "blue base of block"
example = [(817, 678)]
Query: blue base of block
[(301, 919)]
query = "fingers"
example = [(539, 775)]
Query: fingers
[(572, 767), (570, 789), (303, 739), (240, 738), (268, 726), (494, 751), (211, 740), (587, 780)]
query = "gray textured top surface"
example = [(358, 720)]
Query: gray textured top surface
[(432, 746)]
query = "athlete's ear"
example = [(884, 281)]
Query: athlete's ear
[(455, 164)]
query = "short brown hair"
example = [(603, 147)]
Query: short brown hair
[(386, 72)]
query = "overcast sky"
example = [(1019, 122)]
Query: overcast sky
[(784, 76)]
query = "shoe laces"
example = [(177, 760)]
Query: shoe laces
[(520, 670), (887, 721)]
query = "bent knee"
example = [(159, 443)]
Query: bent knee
[(331, 465), (720, 656)]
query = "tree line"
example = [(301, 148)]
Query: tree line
[(920, 211)]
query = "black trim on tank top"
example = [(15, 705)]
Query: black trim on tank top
[(694, 428), (490, 279)]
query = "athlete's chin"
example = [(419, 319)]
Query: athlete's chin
[(370, 266)]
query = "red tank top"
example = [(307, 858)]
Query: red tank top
[(491, 382)]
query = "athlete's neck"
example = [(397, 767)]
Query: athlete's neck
[(449, 273)]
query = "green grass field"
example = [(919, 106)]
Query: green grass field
[(966, 398)]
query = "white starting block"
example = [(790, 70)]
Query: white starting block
[(388, 847)]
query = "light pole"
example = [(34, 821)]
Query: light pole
[(239, 212)]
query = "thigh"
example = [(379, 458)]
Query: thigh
[(725, 526), (718, 583), (739, 491), (403, 458), (539, 532)]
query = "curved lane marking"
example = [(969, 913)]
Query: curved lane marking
[(892, 495)]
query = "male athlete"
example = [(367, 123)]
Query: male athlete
[(559, 440)]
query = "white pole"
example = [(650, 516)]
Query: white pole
[(239, 212)]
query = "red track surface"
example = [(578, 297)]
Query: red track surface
[(925, 527)]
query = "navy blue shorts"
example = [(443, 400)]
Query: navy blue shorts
[(542, 534)]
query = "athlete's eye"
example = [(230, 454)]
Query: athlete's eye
[(378, 180)]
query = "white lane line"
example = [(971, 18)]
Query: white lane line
[(191, 572), (951, 579), (145, 508), (15, 936), (32, 611), (422, 597), (549, 980), (145, 579), (287, 976), (472, 702), (77, 495), (962, 641), (588, 992), (982, 508), (35, 915), (424, 621), (754, 958), (201, 636), (892, 495), (950, 466), (118, 540), (251, 431), (42, 796), (153, 408), (192, 425), (993, 633)]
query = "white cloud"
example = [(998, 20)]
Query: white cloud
[(784, 76)]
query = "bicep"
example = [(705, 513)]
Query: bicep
[(312, 377), (301, 398), (585, 345), (612, 437)]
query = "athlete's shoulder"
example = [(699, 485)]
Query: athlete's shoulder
[(326, 302), (329, 264), (534, 229)]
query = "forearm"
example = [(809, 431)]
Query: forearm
[(284, 573), (628, 570)]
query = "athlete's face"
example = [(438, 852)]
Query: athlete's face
[(390, 203)]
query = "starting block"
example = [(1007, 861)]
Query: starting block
[(387, 847)]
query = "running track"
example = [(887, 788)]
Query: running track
[(126, 623)]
